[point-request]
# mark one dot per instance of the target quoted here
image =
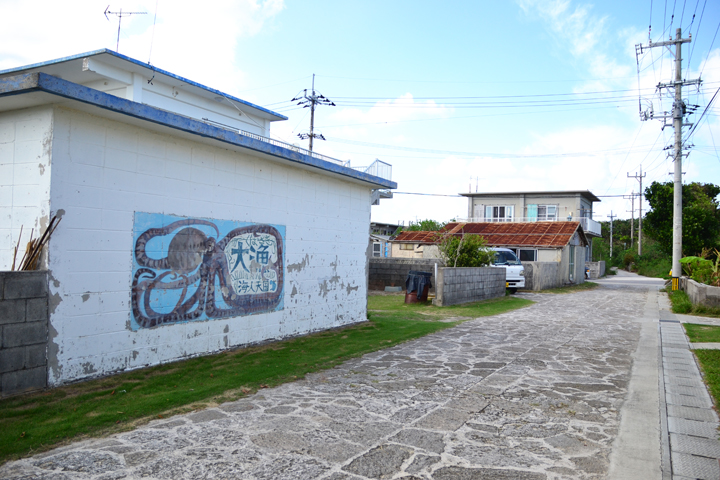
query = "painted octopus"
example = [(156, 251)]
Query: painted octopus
[(193, 256)]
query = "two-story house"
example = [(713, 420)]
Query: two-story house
[(543, 206)]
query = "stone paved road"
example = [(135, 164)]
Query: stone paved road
[(531, 394)]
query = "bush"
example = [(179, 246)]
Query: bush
[(465, 251), (702, 270), (680, 302), (628, 259)]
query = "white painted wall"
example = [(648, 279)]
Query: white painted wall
[(103, 171), (25, 142)]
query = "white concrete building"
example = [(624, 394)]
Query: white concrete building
[(185, 229)]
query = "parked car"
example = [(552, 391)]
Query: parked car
[(514, 271)]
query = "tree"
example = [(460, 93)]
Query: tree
[(701, 216), (465, 251), (425, 226)]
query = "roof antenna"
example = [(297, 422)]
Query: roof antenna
[(120, 14)]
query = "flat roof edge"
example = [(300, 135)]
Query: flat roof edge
[(27, 83), (585, 193), (102, 51)]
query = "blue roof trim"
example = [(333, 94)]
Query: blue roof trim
[(34, 82), (144, 65)]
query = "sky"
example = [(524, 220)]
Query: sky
[(464, 96)]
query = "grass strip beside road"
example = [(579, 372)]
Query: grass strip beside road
[(37, 422), (682, 304), (702, 333), (710, 365), (709, 359), (580, 287)]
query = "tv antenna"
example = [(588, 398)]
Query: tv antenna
[(120, 14)]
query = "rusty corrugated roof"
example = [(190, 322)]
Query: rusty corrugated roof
[(504, 234)]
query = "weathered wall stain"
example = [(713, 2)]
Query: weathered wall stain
[(299, 267), (86, 297), (184, 271)]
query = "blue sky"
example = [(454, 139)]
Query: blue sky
[(494, 95)]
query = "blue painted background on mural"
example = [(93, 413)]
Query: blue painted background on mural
[(190, 269)]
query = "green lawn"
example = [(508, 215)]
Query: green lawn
[(709, 359), (702, 333), (710, 365), (581, 287), (36, 422)]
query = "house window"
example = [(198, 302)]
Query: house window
[(407, 246), (528, 255), (540, 213), (377, 249), (499, 213)]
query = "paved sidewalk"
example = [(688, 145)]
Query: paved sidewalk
[(692, 423), (547, 392)]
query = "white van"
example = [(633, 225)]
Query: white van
[(514, 271)]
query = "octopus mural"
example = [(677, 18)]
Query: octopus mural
[(188, 269)]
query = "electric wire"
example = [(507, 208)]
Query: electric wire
[(709, 50), (696, 32)]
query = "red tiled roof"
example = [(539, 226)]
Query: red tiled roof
[(504, 234)]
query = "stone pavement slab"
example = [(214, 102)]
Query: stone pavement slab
[(531, 394)]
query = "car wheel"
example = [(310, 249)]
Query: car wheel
[(512, 291)]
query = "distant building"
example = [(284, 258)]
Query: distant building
[(561, 242)]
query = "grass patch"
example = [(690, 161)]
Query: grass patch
[(37, 422), (581, 287), (681, 303), (702, 333), (395, 306), (710, 364)]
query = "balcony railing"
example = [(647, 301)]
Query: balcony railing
[(378, 168), (588, 225)]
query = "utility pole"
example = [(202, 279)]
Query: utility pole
[(678, 112), (611, 231), (639, 178), (632, 217), (310, 101)]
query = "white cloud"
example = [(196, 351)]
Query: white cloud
[(189, 39)]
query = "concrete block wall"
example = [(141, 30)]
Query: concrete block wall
[(701, 294), (104, 171), (464, 285), (25, 140), (23, 331), (596, 269), (542, 275), (388, 272)]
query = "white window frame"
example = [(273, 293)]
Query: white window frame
[(499, 213), (377, 249), (546, 216)]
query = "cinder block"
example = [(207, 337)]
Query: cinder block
[(35, 355), (23, 381), (12, 311), (36, 309), (12, 359), (20, 334), (2, 285), (26, 285)]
